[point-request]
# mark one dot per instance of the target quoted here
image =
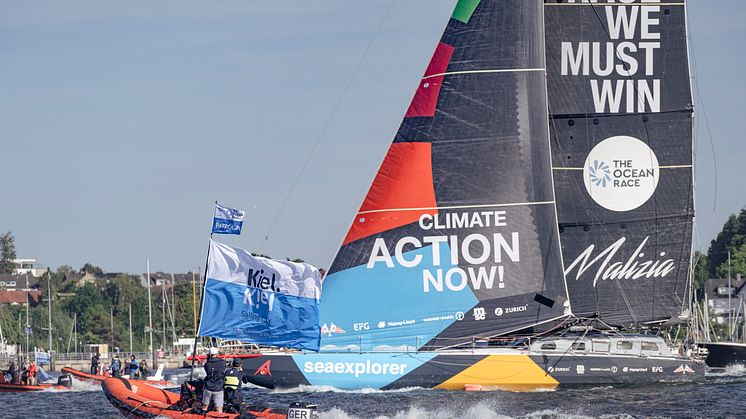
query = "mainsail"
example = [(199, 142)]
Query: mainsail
[(457, 237), (621, 127)]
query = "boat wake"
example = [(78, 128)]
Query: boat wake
[(77, 386), (331, 389), (477, 411), (737, 370)]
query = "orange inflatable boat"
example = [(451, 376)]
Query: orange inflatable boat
[(138, 399), (93, 378)]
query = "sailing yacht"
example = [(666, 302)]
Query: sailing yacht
[(541, 176)]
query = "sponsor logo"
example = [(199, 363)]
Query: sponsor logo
[(599, 173), (459, 315), (381, 325), (399, 323), (558, 369), (657, 369), (479, 313), (256, 297), (683, 369), (621, 173), (358, 327), (355, 368), (498, 312), (625, 369), (257, 279), (516, 309), (634, 268), (332, 329), (264, 369), (432, 319), (580, 369), (614, 369)]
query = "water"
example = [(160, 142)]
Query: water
[(722, 395)]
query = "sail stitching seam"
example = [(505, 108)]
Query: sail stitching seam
[(458, 207), (497, 70)]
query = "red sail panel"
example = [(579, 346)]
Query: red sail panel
[(404, 181), (426, 96)]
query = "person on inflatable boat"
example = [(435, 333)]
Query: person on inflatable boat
[(213, 387)]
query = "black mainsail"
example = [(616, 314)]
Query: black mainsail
[(457, 236), (621, 128)]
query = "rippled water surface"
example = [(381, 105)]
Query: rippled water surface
[(722, 395)]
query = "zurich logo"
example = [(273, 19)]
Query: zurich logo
[(599, 173)]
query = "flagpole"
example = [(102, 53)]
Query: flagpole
[(201, 301), (150, 318)]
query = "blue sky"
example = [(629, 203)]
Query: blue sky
[(122, 122)]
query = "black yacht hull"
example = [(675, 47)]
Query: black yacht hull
[(723, 354), (508, 370)]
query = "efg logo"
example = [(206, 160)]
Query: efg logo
[(621, 173)]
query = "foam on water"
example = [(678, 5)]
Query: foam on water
[(479, 410), (330, 389)]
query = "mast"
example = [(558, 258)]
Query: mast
[(194, 302), (28, 326), (730, 310), (150, 317), (75, 328), (111, 325), (49, 311), (163, 309), (130, 311)]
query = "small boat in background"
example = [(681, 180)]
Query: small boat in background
[(64, 382), (94, 378)]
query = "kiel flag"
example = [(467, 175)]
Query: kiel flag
[(260, 300), (227, 220)]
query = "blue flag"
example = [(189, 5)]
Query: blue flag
[(260, 300), (227, 220)]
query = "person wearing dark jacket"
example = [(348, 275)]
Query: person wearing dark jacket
[(94, 363), (116, 367), (214, 380)]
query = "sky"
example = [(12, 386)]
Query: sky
[(122, 122)]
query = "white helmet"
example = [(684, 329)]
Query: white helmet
[(214, 351)]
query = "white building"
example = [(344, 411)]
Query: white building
[(28, 266)]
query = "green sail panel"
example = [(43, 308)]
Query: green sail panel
[(464, 9)]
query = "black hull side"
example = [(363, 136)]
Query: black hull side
[(723, 354)]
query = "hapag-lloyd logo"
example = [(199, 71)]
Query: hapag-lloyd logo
[(631, 269)]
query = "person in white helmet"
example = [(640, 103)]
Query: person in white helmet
[(213, 389)]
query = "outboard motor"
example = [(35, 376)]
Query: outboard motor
[(302, 411), (65, 380)]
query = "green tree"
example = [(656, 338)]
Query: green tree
[(737, 263), (92, 269), (730, 238), (7, 253)]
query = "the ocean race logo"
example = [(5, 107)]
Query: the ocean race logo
[(621, 173), (487, 253)]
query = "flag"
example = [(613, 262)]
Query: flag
[(227, 220), (260, 300)]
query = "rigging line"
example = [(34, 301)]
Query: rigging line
[(326, 125), (707, 127)]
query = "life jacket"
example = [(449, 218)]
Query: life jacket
[(32, 370), (231, 381)]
